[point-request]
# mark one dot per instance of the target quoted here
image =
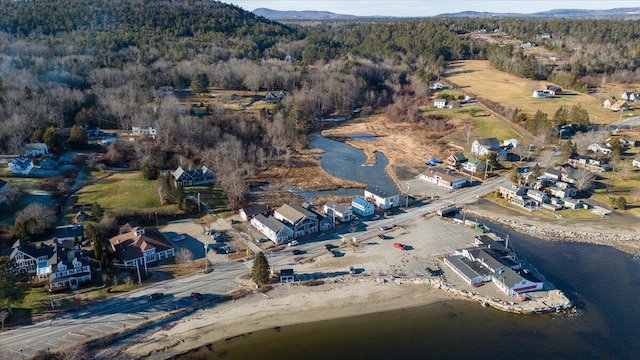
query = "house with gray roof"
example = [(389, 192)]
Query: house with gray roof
[(514, 283), (485, 146), (470, 272), (21, 165), (300, 220), (36, 149), (248, 213), (381, 198), (540, 196), (65, 267), (273, 229), (339, 212), (194, 177)]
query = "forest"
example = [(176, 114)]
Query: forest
[(83, 63)]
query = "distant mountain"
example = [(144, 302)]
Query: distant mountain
[(558, 13), (301, 15)]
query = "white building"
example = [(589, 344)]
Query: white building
[(443, 178), (340, 212), (440, 103), (513, 283), (21, 165), (144, 131), (36, 149), (485, 146), (382, 199), (273, 229), (140, 246), (362, 207)]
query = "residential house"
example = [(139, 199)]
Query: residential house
[(273, 229), (600, 148), (440, 103), (527, 45), (572, 203), (362, 207), (514, 283), (585, 162), (636, 162), (553, 90), (456, 159), (382, 199), (144, 131), (562, 193), (511, 143), (26, 257), (437, 86), (300, 220), (195, 177), (485, 146), (553, 173), (140, 246), (4, 188), (474, 166), (540, 196), (21, 165), (36, 149), (248, 213), (510, 190), (337, 211), (287, 275), (443, 178), (523, 202), (270, 98), (325, 223), (615, 105), (65, 267), (545, 35), (540, 94), (630, 96)]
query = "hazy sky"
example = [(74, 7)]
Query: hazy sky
[(428, 7)]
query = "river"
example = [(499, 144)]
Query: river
[(603, 282)]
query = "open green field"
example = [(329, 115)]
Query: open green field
[(489, 126), (477, 77), (212, 196), (124, 193)]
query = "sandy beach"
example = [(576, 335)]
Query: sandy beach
[(286, 304)]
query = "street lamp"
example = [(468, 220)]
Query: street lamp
[(407, 196)]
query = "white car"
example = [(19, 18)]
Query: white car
[(178, 238), (385, 227), (294, 243)]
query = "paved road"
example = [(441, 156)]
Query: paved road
[(134, 307)]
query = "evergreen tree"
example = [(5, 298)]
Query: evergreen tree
[(514, 177), (96, 212), (77, 138), (260, 272), (199, 83), (91, 232), (11, 290)]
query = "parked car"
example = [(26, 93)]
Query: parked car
[(375, 217), (385, 227), (156, 296), (179, 238), (294, 243), (218, 237), (196, 296), (297, 252), (261, 240)]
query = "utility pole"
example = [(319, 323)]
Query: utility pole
[(206, 260), (407, 196), (198, 201), (138, 269)]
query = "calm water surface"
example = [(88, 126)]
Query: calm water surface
[(603, 281)]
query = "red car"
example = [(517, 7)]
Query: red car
[(398, 246)]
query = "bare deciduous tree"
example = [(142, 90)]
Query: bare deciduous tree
[(584, 179), (36, 218), (74, 352), (548, 159), (184, 256)]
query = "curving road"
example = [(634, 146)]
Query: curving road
[(134, 307)]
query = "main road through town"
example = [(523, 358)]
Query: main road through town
[(120, 311)]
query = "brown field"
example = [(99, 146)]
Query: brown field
[(477, 77)]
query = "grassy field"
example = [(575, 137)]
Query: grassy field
[(124, 193), (477, 77), (212, 196), (489, 126)]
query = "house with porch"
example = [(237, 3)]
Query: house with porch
[(36, 149), (485, 146), (300, 220), (65, 267), (21, 165), (339, 212), (194, 177), (443, 178), (362, 207), (273, 229), (381, 198), (141, 246)]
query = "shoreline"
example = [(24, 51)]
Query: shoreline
[(284, 305)]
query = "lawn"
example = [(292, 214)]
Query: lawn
[(478, 78), (212, 196), (124, 193), (489, 126)]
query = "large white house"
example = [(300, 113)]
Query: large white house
[(144, 131), (444, 178), (382, 199), (21, 165), (485, 146), (273, 229)]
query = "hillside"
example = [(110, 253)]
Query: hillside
[(118, 24), (301, 15)]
